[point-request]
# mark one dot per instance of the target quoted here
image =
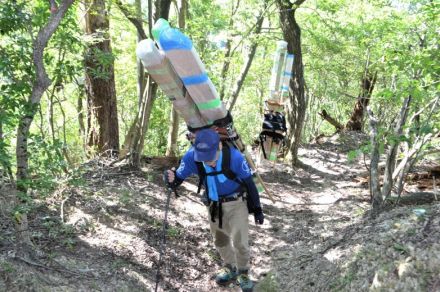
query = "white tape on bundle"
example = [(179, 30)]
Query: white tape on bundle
[(160, 69), (277, 70), (162, 72), (210, 109), (186, 61), (189, 112)]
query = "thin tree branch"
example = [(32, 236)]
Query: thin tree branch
[(227, 57), (434, 100), (247, 64), (133, 19), (248, 32)]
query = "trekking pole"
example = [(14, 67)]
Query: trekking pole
[(164, 228)]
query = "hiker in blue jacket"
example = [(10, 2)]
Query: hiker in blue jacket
[(232, 195)]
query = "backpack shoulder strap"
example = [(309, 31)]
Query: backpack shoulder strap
[(202, 174), (226, 168), (226, 162), (226, 165)]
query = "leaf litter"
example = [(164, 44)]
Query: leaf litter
[(105, 234)]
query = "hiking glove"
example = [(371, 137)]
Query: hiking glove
[(259, 216)]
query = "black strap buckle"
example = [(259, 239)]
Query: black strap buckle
[(231, 198)]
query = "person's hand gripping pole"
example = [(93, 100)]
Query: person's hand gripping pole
[(169, 177)]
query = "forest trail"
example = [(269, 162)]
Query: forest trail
[(316, 237)]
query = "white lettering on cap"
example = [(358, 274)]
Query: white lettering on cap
[(202, 146)]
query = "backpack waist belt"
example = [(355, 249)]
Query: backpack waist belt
[(231, 198)]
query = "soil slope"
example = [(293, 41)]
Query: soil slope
[(104, 233)]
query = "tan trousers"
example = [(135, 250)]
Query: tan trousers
[(232, 240)]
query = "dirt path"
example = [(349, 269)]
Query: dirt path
[(111, 239)]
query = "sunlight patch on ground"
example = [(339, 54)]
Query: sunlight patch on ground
[(334, 254), (117, 237), (140, 278), (324, 198), (113, 237), (320, 166), (190, 207), (285, 198), (127, 227), (156, 213), (76, 215)]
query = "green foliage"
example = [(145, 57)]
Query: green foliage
[(269, 283), (206, 21), (76, 178), (125, 197), (46, 162), (56, 230), (158, 127), (105, 61), (14, 17), (6, 267), (173, 232), (5, 157), (20, 22), (124, 40), (353, 154)]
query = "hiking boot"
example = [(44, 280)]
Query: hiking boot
[(226, 275), (245, 283)]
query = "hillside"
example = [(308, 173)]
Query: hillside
[(102, 232)]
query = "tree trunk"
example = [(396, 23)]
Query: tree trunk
[(392, 153), (162, 9), (40, 85), (375, 191), (247, 64), (3, 170), (80, 111), (357, 117), (140, 68), (64, 148), (142, 123), (331, 120), (172, 134), (183, 13), (50, 120), (133, 144), (296, 104), (102, 127), (137, 22)]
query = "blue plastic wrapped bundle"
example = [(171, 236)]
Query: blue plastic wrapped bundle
[(180, 51), (277, 70), (162, 72)]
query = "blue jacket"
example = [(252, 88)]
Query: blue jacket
[(238, 165)]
